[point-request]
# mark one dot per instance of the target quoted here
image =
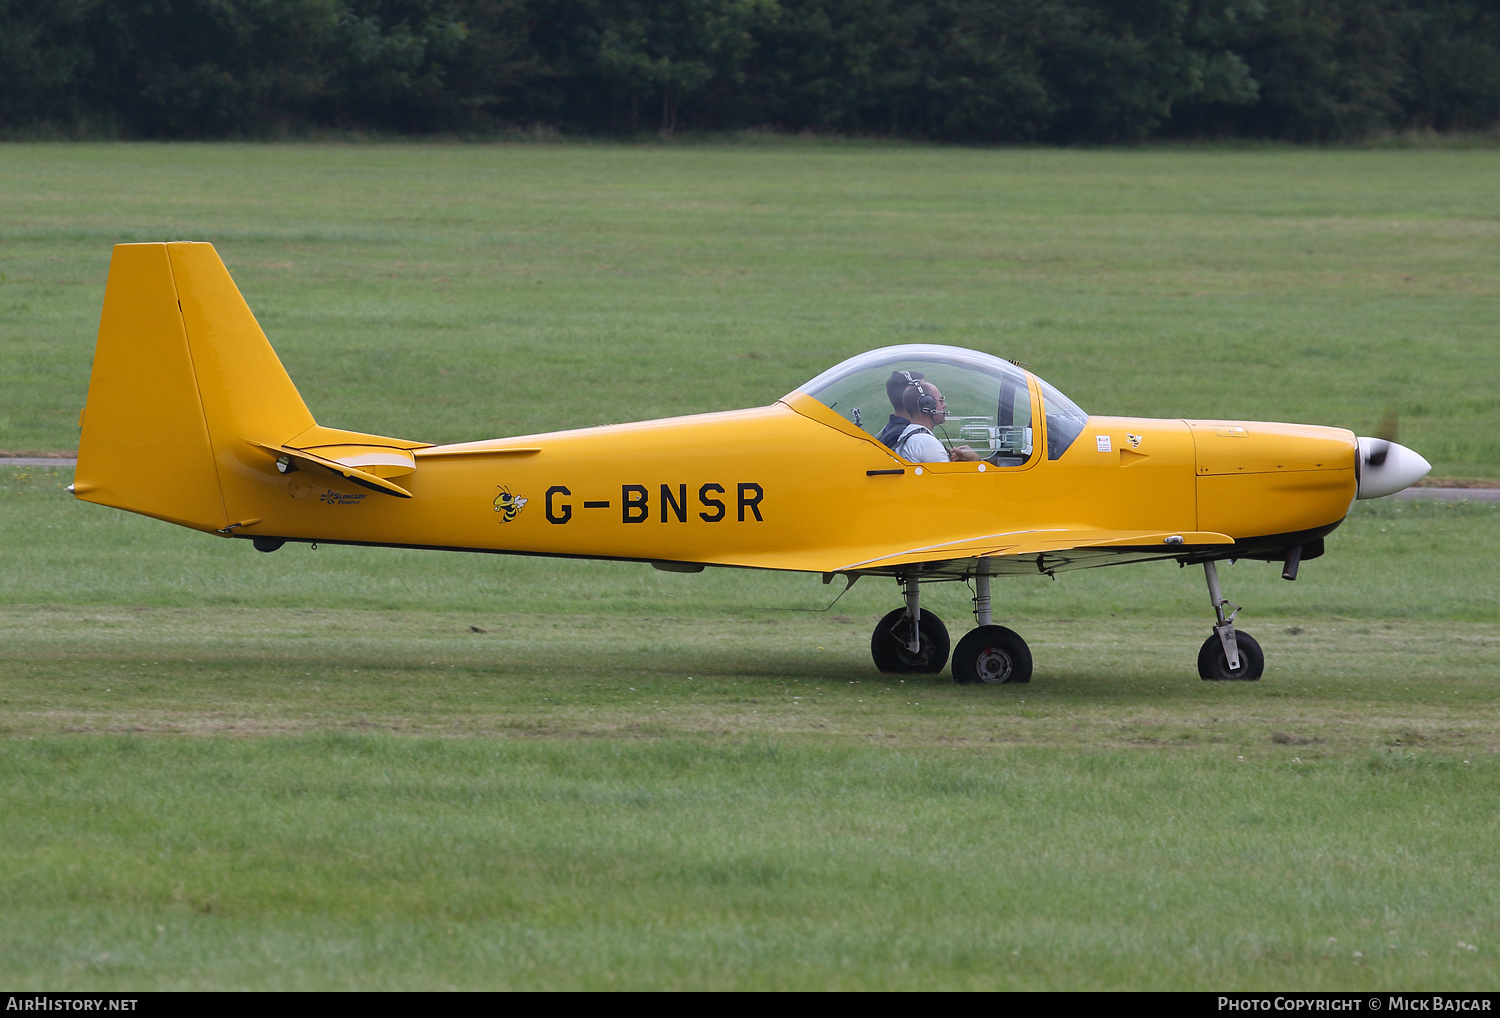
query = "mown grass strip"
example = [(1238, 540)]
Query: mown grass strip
[(380, 862)]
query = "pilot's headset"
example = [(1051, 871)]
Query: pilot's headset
[(926, 404)]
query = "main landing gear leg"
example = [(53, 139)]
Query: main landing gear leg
[(1227, 654), (910, 640), (982, 615), (990, 653), (913, 594)]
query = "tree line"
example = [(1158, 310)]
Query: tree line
[(1067, 71)]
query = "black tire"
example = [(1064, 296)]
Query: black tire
[(991, 654), (888, 644), (1213, 665)]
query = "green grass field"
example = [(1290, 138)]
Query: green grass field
[(453, 292), (356, 768)]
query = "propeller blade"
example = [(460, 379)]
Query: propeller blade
[(1390, 427)]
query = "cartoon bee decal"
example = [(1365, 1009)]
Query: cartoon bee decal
[(508, 504)]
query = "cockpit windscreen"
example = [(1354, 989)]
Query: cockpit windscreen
[(987, 399)]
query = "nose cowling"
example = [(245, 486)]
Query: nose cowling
[(1386, 467)]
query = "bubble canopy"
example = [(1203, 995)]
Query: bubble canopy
[(989, 400)]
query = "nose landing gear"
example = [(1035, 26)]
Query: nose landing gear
[(1227, 655)]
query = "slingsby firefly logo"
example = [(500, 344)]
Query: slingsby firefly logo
[(331, 497), (508, 504)]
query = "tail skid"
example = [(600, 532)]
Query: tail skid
[(186, 394)]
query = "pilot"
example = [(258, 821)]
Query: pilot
[(926, 409), (897, 384)]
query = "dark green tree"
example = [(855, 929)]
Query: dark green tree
[(673, 49), (1452, 60), (43, 62)]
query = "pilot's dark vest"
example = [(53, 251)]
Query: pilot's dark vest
[(890, 435)]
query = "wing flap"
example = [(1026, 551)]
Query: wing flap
[(1043, 542), (1127, 539)]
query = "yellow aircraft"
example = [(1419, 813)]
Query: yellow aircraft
[(192, 419)]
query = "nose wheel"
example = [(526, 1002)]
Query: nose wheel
[(1213, 663), (1229, 654)]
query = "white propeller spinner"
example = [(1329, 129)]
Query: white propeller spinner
[(1386, 467)]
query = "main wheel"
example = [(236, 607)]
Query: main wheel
[(1213, 664), (992, 654), (888, 643)]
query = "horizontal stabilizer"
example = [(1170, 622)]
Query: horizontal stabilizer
[(305, 459), (372, 459), (317, 436)]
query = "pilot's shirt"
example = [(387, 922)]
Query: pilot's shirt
[(917, 445)]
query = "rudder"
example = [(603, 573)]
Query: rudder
[(183, 377), (246, 392), (145, 444)]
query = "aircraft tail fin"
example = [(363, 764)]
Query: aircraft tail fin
[(186, 392)]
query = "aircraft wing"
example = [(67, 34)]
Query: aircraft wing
[(1045, 551)]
